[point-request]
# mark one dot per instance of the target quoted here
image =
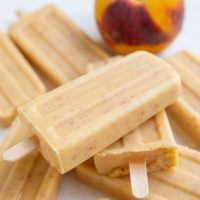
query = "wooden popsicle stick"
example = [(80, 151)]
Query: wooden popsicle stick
[(21, 149), (139, 180)]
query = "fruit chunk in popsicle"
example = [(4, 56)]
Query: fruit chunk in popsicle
[(55, 44), (19, 83), (181, 182), (186, 110), (81, 118), (30, 178)]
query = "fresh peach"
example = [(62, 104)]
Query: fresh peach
[(129, 25)]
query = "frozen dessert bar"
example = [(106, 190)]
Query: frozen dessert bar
[(55, 45), (19, 83), (152, 141), (82, 117)]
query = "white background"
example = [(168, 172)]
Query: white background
[(82, 13)]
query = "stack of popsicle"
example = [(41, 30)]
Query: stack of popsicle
[(114, 115)]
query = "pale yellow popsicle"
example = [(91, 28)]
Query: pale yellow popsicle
[(81, 118), (186, 111), (30, 178), (55, 45), (19, 83), (181, 182), (152, 141)]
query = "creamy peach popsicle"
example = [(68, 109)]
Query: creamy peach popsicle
[(55, 44), (152, 141), (30, 178), (19, 83), (186, 110), (178, 183), (82, 117)]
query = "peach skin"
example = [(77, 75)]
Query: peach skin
[(130, 25)]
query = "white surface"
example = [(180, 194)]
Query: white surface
[(81, 11)]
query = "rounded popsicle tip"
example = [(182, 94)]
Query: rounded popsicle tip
[(139, 180), (140, 195)]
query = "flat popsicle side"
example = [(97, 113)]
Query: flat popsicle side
[(82, 117), (181, 135), (55, 44), (30, 178), (152, 141), (19, 83), (182, 181), (186, 110)]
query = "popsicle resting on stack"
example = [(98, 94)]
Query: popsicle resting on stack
[(89, 113), (152, 141)]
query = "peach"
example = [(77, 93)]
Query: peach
[(130, 25)]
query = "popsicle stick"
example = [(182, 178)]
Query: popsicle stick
[(21, 149), (139, 180)]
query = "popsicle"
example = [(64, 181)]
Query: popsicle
[(149, 147), (152, 142), (82, 117), (30, 178), (55, 44), (178, 183), (186, 110), (19, 83)]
